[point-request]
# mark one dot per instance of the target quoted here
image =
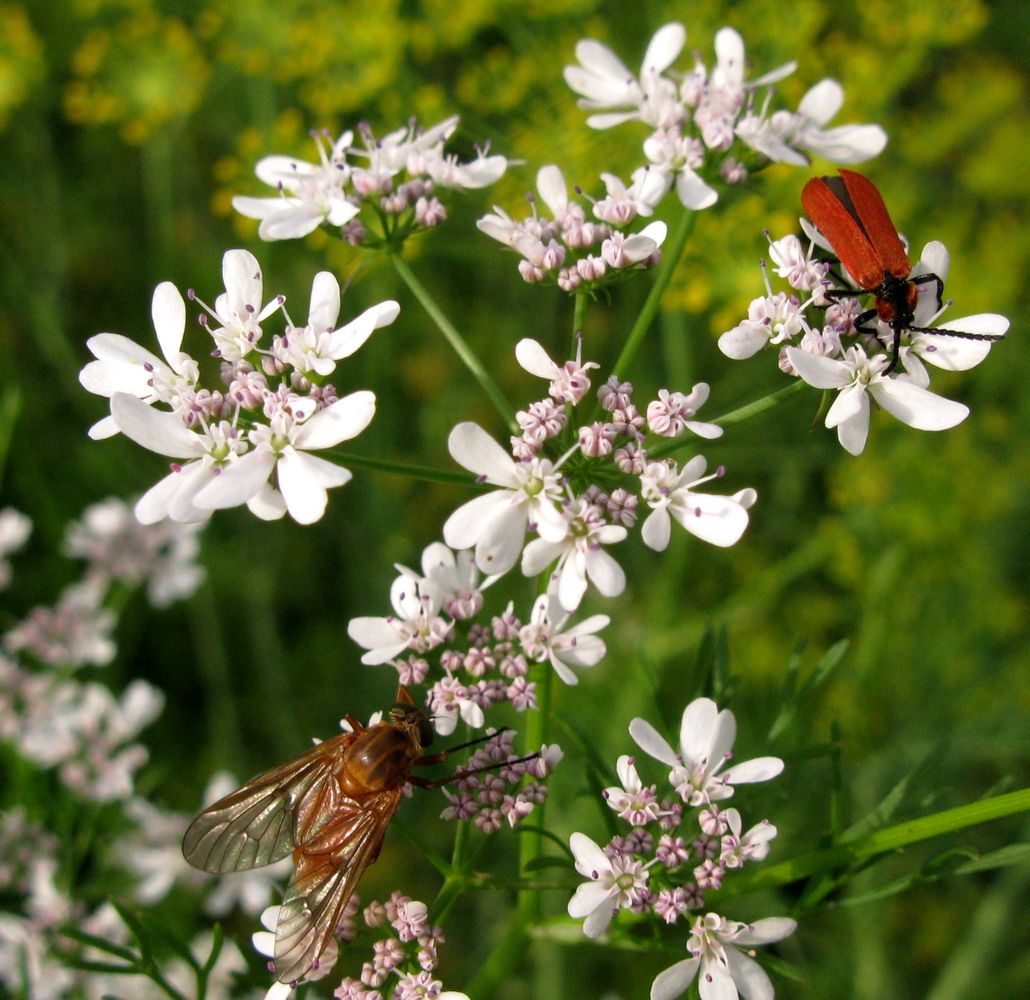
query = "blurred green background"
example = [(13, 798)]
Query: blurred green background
[(126, 127)]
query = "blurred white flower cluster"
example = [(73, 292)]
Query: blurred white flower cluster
[(709, 123), (397, 176)]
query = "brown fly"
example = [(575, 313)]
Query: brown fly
[(329, 807)]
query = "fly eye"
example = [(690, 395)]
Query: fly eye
[(426, 732)]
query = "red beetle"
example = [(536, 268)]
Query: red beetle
[(850, 213)]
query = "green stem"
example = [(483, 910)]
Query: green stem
[(672, 251), (531, 845), (579, 315), (455, 339), (892, 838), (406, 469), (759, 406)]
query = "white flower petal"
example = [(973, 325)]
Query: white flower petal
[(538, 555), (471, 447), (303, 480), (651, 741), (267, 503), (674, 981), (588, 856), (665, 45), (500, 540), (325, 302), (917, 407), (607, 575), (551, 185), (343, 420), (714, 519), (849, 403), (693, 192), (716, 983), (818, 371), (534, 359), (766, 931), (597, 922), (157, 430), (349, 338), (743, 341), (238, 482), (853, 432), (463, 528), (748, 976), (698, 728), (822, 101), (657, 529), (168, 311), (750, 771), (242, 276), (295, 218)]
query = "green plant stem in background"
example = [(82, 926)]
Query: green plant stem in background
[(892, 838), (423, 472), (455, 339), (671, 253)]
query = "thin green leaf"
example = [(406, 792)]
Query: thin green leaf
[(101, 944), (1012, 854), (88, 966)]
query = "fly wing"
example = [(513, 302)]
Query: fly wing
[(829, 206), (255, 825), (329, 866)]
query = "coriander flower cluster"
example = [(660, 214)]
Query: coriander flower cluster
[(404, 958), (827, 341), (475, 666), (274, 404), (397, 176), (581, 488), (709, 122), (574, 252), (680, 845)]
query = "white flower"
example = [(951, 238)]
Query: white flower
[(569, 382), (496, 522), (604, 81), (781, 135), (210, 449), (543, 638), (415, 625), (614, 883), (669, 493), (706, 739), (238, 309), (123, 366), (633, 802), (724, 970), (579, 555), (310, 194), (771, 320), (283, 447), (15, 529), (752, 846), (319, 345), (455, 577), (859, 377)]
